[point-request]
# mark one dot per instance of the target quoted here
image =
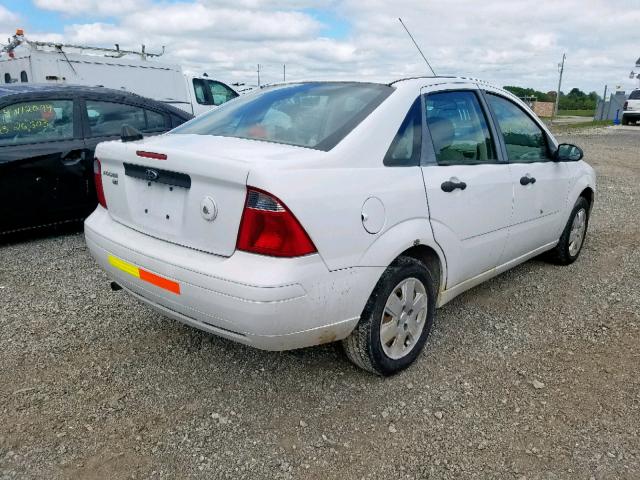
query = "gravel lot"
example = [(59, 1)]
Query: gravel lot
[(533, 375)]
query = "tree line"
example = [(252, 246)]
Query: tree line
[(576, 99)]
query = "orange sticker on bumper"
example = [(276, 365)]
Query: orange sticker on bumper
[(157, 280)]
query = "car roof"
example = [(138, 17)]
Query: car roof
[(407, 82), (7, 90)]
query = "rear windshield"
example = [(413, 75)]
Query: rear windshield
[(635, 95), (313, 115)]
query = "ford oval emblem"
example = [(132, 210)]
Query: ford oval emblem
[(151, 174)]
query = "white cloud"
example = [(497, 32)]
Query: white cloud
[(502, 41), (91, 7)]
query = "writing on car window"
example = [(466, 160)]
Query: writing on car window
[(29, 122)]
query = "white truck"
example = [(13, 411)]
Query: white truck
[(26, 61), (631, 109)]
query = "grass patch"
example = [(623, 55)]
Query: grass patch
[(575, 126), (576, 113)]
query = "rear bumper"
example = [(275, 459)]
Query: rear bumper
[(268, 303), (631, 115)]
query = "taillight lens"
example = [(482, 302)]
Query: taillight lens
[(626, 105), (269, 228), (97, 178)]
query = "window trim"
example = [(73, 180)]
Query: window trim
[(76, 126), (430, 159), (503, 144)]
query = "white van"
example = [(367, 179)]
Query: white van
[(43, 62)]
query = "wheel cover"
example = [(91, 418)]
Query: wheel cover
[(578, 229), (403, 318)]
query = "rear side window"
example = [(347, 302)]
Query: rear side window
[(635, 95), (406, 146), (33, 122), (459, 129), (23, 77), (107, 118), (524, 139), (314, 115)]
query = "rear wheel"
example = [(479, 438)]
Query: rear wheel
[(396, 321), (625, 121), (573, 235)]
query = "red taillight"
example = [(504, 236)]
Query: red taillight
[(154, 155), (97, 178), (269, 228), (626, 105)]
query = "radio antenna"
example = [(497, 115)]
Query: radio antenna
[(414, 42)]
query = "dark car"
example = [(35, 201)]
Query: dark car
[(48, 135)]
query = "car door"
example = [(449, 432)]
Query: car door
[(39, 141), (468, 185), (540, 185)]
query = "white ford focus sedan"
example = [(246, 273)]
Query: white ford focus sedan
[(313, 212)]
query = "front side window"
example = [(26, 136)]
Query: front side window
[(220, 93), (23, 77), (7, 78), (524, 139), (107, 118), (210, 92), (33, 122), (314, 115)]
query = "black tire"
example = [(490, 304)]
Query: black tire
[(625, 121), (562, 254), (364, 346)]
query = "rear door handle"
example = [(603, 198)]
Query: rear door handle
[(450, 185), (527, 179)]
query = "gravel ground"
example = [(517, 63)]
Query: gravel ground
[(533, 375)]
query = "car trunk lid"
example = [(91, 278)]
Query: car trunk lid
[(185, 189)]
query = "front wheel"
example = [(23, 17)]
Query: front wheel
[(573, 235), (396, 320)]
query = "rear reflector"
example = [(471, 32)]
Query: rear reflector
[(97, 179), (144, 275), (155, 156), (269, 228)]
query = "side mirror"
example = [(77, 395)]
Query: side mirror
[(567, 152), (130, 134)]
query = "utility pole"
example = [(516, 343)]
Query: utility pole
[(258, 75), (284, 72), (561, 69)]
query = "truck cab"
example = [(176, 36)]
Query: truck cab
[(206, 93)]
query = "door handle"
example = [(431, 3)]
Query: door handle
[(450, 186), (74, 157), (527, 179)]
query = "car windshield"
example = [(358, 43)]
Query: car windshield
[(313, 115), (635, 95)]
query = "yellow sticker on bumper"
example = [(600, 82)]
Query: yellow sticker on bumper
[(144, 275)]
